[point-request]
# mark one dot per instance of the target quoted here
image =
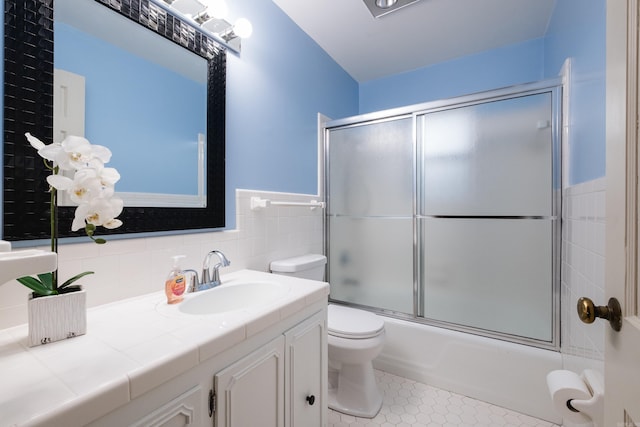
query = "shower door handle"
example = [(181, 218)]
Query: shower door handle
[(588, 312)]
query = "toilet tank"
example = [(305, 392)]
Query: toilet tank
[(309, 266)]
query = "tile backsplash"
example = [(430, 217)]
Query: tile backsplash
[(130, 267), (583, 269)]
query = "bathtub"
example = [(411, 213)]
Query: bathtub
[(509, 375)]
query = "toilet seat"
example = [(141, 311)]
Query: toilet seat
[(345, 322)]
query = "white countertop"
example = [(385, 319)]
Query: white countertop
[(131, 347)]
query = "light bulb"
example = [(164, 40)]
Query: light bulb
[(385, 4), (243, 28), (216, 8)]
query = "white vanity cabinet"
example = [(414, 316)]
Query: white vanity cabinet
[(277, 378), (182, 402), (282, 384), (262, 355)]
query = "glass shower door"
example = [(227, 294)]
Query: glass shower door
[(486, 219), (370, 176)]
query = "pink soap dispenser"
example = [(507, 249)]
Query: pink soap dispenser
[(176, 284)]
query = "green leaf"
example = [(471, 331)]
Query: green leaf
[(46, 279), (36, 286), (74, 278), (69, 289)]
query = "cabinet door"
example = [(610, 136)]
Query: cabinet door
[(185, 410), (251, 391), (306, 373)]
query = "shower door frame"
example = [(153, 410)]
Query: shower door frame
[(552, 86)]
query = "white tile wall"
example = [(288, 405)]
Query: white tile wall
[(583, 264), (131, 267)]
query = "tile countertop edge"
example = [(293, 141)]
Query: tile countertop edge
[(86, 407), (108, 396), (153, 374)]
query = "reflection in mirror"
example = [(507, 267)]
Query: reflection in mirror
[(28, 107), (132, 90)]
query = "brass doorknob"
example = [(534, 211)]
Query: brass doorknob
[(588, 312)]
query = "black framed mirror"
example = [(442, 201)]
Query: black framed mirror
[(28, 107)]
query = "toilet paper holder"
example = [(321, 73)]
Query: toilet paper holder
[(593, 407), (585, 405)]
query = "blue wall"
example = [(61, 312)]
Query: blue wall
[(506, 66), (578, 30), (275, 89)]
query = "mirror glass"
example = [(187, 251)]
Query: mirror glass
[(137, 93), (175, 173)]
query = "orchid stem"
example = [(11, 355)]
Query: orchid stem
[(54, 231)]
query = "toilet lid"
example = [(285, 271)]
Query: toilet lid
[(346, 322)]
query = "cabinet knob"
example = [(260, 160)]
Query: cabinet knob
[(311, 399)]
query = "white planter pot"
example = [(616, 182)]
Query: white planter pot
[(57, 317)]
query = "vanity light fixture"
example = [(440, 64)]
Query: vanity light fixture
[(211, 16), (380, 8)]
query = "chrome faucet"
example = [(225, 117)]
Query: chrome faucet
[(209, 279), (194, 281)]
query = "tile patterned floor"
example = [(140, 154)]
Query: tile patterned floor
[(411, 404)]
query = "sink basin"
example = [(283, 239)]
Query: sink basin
[(232, 296)]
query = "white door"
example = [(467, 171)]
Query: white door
[(622, 351)]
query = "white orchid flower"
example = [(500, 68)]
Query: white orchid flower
[(93, 183), (98, 212), (114, 223), (35, 142), (85, 186), (49, 152), (76, 153), (52, 152), (109, 176), (92, 186), (93, 163), (60, 182), (100, 152), (72, 153)]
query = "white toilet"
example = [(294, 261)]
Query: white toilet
[(355, 338)]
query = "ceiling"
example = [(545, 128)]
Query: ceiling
[(424, 33)]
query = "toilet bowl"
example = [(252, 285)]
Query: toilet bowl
[(355, 337)]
